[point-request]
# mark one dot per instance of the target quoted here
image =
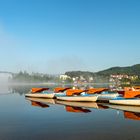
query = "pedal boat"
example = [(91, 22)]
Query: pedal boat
[(77, 95), (131, 97)]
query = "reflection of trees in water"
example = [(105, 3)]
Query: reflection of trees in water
[(20, 89)]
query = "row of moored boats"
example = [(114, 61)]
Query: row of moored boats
[(127, 96)]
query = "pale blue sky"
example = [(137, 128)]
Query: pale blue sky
[(54, 36)]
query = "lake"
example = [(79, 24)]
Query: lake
[(47, 119)]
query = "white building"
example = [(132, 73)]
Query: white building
[(64, 77)]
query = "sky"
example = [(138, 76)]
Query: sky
[(55, 36)]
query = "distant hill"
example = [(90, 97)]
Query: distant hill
[(105, 74), (131, 70), (79, 73)]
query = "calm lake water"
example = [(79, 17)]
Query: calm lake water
[(26, 119)]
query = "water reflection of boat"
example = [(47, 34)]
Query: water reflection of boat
[(42, 100), (76, 109), (130, 112), (78, 104), (38, 104), (132, 115), (124, 107), (82, 104)]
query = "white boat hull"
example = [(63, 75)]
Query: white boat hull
[(78, 98), (40, 95), (42, 100), (125, 101)]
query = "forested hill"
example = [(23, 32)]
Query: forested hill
[(131, 70)]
